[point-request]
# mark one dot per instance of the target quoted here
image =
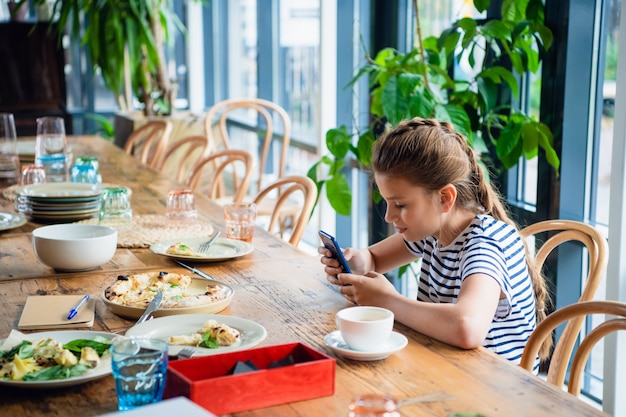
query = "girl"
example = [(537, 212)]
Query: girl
[(477, 284)]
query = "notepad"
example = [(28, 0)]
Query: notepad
[(50, 312)]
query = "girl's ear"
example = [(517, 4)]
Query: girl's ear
[(447, 197)]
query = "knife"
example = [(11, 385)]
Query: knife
[(152, 307), (195, 270)]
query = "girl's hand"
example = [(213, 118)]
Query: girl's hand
[(369, 289), (332, 266)]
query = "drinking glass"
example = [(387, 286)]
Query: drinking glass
[(139, 368), (32, 174), (84, 173), (92, 161), (181, 206), (51, 148), (240, 219), (115, 209), (9, 159)]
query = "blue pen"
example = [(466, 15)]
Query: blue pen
[(74, 310)]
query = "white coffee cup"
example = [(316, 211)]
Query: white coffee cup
[(365, 328)]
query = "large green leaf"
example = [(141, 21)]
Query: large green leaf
[(459, 118), (509, 146), (481, 5), (364, 147), (338, 141), (530, 139), (497, 74), (339, 194), (497, 30), (395, 105), (420, 105)]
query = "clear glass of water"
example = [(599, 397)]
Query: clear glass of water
[(51, 148), (139, 368)]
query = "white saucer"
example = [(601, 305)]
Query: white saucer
[(395, 343)]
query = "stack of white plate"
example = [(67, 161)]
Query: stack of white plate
[(58, 202)]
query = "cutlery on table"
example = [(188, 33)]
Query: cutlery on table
[(195, 270), (186, 353), (152, 307), (204, 247)]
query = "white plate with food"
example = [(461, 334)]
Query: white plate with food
[(182, 327), (102, 369), (11, 221), (182, 294), (188, 249)]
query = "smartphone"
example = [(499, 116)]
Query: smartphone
[(331, 244)]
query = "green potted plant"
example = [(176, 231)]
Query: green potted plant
[(125, 41), (424, 82)]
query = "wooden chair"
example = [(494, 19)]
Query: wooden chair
[(262, 111), (214, 166), (597, 248), (182, 155), (578, 312), (148, 142), (286, 214)]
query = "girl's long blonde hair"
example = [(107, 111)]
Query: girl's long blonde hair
[(431, 154)]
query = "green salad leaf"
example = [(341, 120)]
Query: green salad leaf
[(57, 372), (208, 341), (23, 350), (75, 346)]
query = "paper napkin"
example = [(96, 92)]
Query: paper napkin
[(50, 312)]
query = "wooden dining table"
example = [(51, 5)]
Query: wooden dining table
[(279, 287)]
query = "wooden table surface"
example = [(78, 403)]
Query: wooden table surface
[(282, 289)]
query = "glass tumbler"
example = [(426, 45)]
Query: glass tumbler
[(240, 219), (51, 148), (84, 173), (374, 405), (181, 206), (32, 174), (115, 208), (9, 159), (139, 368), (91, 161)]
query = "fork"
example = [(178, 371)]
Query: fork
[(204, 247), (186, 353)]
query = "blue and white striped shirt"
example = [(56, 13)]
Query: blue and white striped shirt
[(494, 248)]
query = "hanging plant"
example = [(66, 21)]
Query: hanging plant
[(427, 82)]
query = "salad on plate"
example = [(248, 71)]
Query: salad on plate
[(44, 358)]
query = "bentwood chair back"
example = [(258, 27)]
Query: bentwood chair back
[(215, 167), (261, 113), (287, 214), (577, 311), (148, 142), (181, 156), (562, 231)]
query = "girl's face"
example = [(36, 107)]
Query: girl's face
[(413, 211)]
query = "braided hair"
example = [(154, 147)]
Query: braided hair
[(431, 154)]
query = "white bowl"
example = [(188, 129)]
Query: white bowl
[(74, 247)]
